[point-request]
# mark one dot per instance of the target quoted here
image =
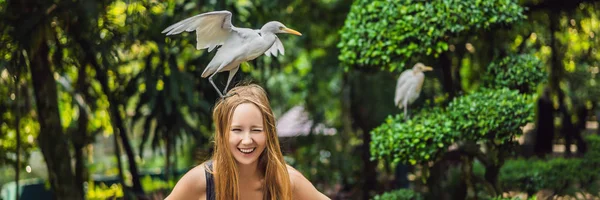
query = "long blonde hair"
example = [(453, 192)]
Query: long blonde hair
[(270, 163)]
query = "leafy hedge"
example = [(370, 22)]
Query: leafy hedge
[(377, 32), (420, 139), (563, 176), (401, 194), (482, 115), (518, 72), (496, 114)]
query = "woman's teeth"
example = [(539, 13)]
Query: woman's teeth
[(247, 151)]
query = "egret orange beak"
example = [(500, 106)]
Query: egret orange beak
[(291, 31), (427, 68)]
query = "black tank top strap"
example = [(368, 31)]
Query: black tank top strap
[(210, 182)]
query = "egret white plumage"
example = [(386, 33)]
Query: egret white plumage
[(409, 86), (237, 45)]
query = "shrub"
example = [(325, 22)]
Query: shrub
[(490, 115), (518, 72), (377, 33), (401, 194), (561, 175), (494, 114), (418, 140)]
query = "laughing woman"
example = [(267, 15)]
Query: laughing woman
[(247, 162)]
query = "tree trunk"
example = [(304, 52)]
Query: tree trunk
[(544, 132), (79, 137), (555, 65), (17, 125), (467, 174), (568, 128), (119, 161), (51, 140), (79, 169), (115, 116), (491, 176), (437, 174), (360, 121), (368, 108), (117, 122), (598, 120), (445, 64), (570, 131), (167, 173)]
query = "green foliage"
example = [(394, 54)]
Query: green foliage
[(378, 33), (518, 72), (151, 184), (401, 194), (482, 115), (559, 175), (103, 191), (322, 154), (592, 157), (491, 114), (563, 176), (29, 129), (12, 101), (513, 198), (419, 139)]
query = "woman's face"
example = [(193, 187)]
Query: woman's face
[(247, 137)]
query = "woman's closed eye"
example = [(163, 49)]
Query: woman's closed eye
[(236, 129), (256, 130)]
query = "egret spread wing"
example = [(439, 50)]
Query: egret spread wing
[(277, 46), (401, 88), (212, 28)]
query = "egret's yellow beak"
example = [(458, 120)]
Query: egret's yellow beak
[(291, 31), (427, 68)]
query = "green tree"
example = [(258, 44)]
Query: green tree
[(52, 141), (553, 37), (391, 35), (388, 36)]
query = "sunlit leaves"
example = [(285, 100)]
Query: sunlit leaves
[(579, 41), (65, 107), (386, 34), (29, 129), (116, 13), (157, 9), (28, 125)]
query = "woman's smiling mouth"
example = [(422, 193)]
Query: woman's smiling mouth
[(247, 150)]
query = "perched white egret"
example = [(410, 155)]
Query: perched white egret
[(409, 86), (238, 45)]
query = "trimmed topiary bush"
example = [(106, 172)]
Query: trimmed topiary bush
[(378, 32), (518, 72)]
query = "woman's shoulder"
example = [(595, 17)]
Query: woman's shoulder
[(302, 188), (192, 185), (295, 175)]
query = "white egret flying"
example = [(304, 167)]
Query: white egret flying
[(238, 45), (409, 86)]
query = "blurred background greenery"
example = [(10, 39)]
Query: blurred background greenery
[(96, 103)]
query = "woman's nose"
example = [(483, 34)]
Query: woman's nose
[(246, 139)]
